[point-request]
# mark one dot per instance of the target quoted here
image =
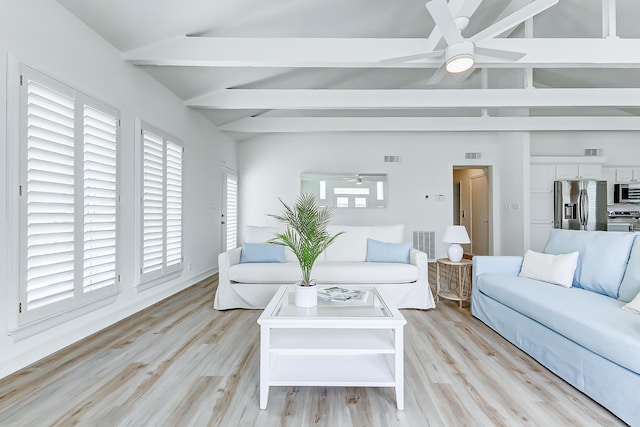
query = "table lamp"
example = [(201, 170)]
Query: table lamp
[(455, 234)]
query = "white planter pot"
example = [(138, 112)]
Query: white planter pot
[(306, 296)]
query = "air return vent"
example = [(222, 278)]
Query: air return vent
[(392, 159), (425, 241), (473, 156), (593, 152)]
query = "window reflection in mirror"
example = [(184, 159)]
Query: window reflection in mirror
[(346, 190)]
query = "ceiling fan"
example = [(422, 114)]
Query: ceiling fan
[(460, 53)]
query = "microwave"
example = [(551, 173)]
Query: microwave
[(626, 193)]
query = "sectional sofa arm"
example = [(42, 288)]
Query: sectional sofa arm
[(228, 258), (420, 260), (507, 265)]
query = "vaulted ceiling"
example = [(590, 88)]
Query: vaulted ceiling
[(360, 65)]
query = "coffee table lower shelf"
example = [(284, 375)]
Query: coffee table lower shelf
[(369, 370)]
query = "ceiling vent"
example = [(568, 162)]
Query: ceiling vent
[(472, 156), (392, 159), (593, 152)]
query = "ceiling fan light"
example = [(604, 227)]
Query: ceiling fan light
[(459, 57), (459, 63)]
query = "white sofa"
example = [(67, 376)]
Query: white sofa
[(252, 285)]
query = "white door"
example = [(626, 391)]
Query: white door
[(480, 215), (229, 212)]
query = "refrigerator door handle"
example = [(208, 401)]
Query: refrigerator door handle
[(584, 207)]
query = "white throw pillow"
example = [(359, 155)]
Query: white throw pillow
[(634, 305), (555, 269)]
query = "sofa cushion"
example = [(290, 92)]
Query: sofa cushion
[(260, 234), (352, 245), (378, 251), (630, 285), (326, 273), (261, 252), (591, 320), (603, 257), (554, 269)]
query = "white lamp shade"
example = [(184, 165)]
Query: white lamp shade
[(456, 234)]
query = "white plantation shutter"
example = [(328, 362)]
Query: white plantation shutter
[(174, 204), (50, 198), (231, 207), (152, 202), (161, 199), (100, 198), (68, 204)]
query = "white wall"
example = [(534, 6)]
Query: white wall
[(270, 167), (43, 35)]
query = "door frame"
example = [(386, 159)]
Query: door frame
[(457, 204)]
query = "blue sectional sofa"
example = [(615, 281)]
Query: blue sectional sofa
[(580, 333)]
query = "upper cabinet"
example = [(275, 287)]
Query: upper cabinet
[(578, 171), (627, 174), (564, 167)]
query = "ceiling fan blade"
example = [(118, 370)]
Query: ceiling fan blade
[(458, 8), (409, 58), (499, 53), (440, 74), (515, 19), (441, 14)]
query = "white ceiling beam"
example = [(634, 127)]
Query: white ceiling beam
[(319, 99), (377, 52), (430, 124)]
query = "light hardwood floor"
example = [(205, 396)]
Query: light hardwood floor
[(181, 363)]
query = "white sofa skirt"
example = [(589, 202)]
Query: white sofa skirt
[(257, 296)]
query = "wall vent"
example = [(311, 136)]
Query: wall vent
[(473, 156), (392, 159), (593, 152), (425, 241)]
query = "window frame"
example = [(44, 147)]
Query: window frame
[(155, 277), (81, 296)]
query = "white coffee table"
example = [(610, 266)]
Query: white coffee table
[(334, 344)]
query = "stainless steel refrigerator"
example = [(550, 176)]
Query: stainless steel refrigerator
[(580, 204)]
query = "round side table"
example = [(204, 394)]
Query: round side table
[(459, 290)]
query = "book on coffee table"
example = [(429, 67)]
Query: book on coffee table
[(339, 294)]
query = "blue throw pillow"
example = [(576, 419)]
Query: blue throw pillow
[(387, 252), (261, 252)]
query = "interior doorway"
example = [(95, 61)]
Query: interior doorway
[(472, 207)]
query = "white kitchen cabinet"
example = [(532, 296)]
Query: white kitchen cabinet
[(541, 207), (578, 171), (627, 174), (542, 177)]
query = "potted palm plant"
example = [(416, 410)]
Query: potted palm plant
[(307, 237)]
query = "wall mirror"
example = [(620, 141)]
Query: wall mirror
[(346, 190)]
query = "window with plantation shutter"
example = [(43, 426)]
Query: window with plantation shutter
[(68, 198), (100, 198), (173, 219), (161, 204), (152, 203), (230, 222), (50, 197)]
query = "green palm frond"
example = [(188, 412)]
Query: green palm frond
[(306, 233)]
